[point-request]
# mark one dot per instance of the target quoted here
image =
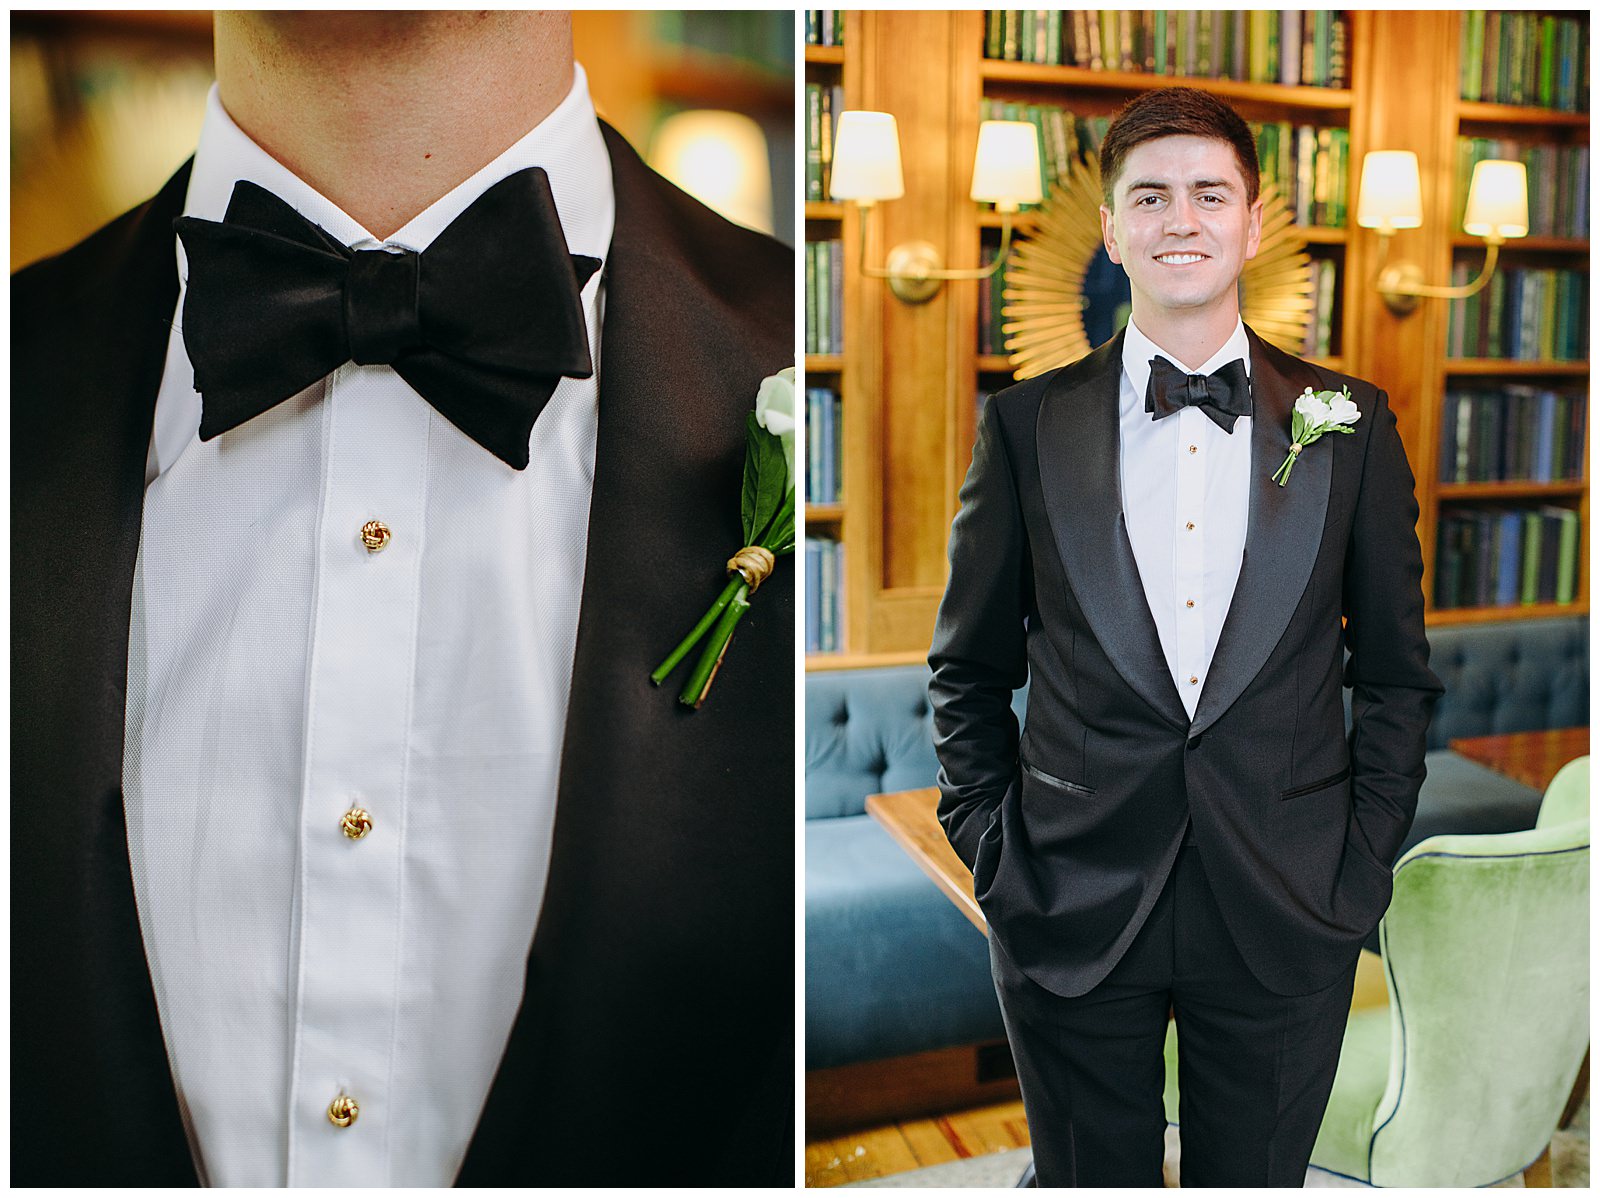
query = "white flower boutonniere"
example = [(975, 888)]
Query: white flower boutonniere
[(766, 510), (1315, 413)]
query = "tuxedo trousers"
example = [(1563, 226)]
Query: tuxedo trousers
[(1254, 1068)]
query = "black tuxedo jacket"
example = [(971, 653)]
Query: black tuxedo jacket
[(1071, 830), (660, 984)]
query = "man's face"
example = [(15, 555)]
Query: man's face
[(1183, 226)]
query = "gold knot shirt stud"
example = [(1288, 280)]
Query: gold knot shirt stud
[(343, 1111), (356, 823), (375, 535)]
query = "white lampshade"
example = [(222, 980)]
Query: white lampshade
[(866, 158), (1005, 170), (720, 158), (1497, 202), (1391, 191)]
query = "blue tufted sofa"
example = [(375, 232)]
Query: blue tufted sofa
[(893, 968)]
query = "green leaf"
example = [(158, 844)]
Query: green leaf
[(752, 470), (764, 457)]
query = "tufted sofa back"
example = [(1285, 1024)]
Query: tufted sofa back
[(870, 731), (1513, 676)]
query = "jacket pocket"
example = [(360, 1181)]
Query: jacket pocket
[(1313, 787), (1060, 783)]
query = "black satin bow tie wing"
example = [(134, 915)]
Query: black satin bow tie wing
[(1223, 395), (483, 324)]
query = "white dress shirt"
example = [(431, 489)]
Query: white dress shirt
[(280, 674), (1186, 501)]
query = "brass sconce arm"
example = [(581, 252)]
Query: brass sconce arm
[(914, 271), (1401, 286)]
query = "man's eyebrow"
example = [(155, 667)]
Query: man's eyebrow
[(1197, 185)]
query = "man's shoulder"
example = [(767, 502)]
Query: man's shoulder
[(81, 274), (1022, 400)]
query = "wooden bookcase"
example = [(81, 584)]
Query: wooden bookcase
[(909, 374)]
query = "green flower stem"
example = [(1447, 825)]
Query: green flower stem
[(735, 584), (1281, 475), (694, 691)]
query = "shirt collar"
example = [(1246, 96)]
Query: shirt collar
[(567, 143), (1137, 350)]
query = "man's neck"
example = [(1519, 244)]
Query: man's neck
[(1191, 338), (385, 112)]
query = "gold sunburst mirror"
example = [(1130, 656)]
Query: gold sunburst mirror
[(1059, 271)]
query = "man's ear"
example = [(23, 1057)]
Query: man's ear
[(1108, 234), (1252, 239)]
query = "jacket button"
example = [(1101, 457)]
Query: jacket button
[(1194, 742)]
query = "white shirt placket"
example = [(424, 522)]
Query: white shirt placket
[(359, 693), (1189, 559)]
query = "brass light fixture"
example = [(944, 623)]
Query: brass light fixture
[(866, 169), (1391, 199)]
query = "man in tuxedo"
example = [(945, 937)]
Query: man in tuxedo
[(1182, 824), (351, 843)]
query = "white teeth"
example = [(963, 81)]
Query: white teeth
[(1179, 259)]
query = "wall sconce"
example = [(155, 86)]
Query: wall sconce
[(866, 169), (1391, 199)]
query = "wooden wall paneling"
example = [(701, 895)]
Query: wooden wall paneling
[(1406, 101), (862, 377), (909, 60)]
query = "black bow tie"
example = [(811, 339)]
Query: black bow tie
[(1223, 396), (483, 324)]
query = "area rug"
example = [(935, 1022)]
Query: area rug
[(1569, 1166)]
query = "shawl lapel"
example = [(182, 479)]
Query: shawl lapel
[(90, 337)]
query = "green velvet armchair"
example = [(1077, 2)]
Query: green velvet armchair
[(1461, 1078)]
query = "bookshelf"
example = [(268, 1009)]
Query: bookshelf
[(911, 373), (829, 613), (1537, 133)]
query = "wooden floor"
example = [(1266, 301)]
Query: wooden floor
[(915, 1144)]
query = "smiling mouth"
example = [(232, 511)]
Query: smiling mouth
[(1179, 259)]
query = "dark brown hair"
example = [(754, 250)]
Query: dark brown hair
[(1174, 112)]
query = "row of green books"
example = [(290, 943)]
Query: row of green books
[(764, 38), (1524, 315), (1506, 557), (824, 27), (824, 297), (1310, 166), (1558, 182), (1257, 46), (1512, 433), (824, 595), (824, 103), (824, 440), (1511, 57)]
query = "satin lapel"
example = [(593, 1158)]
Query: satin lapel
[(1284, 536), (647, 802), (96, 1104), (1080, 454)]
